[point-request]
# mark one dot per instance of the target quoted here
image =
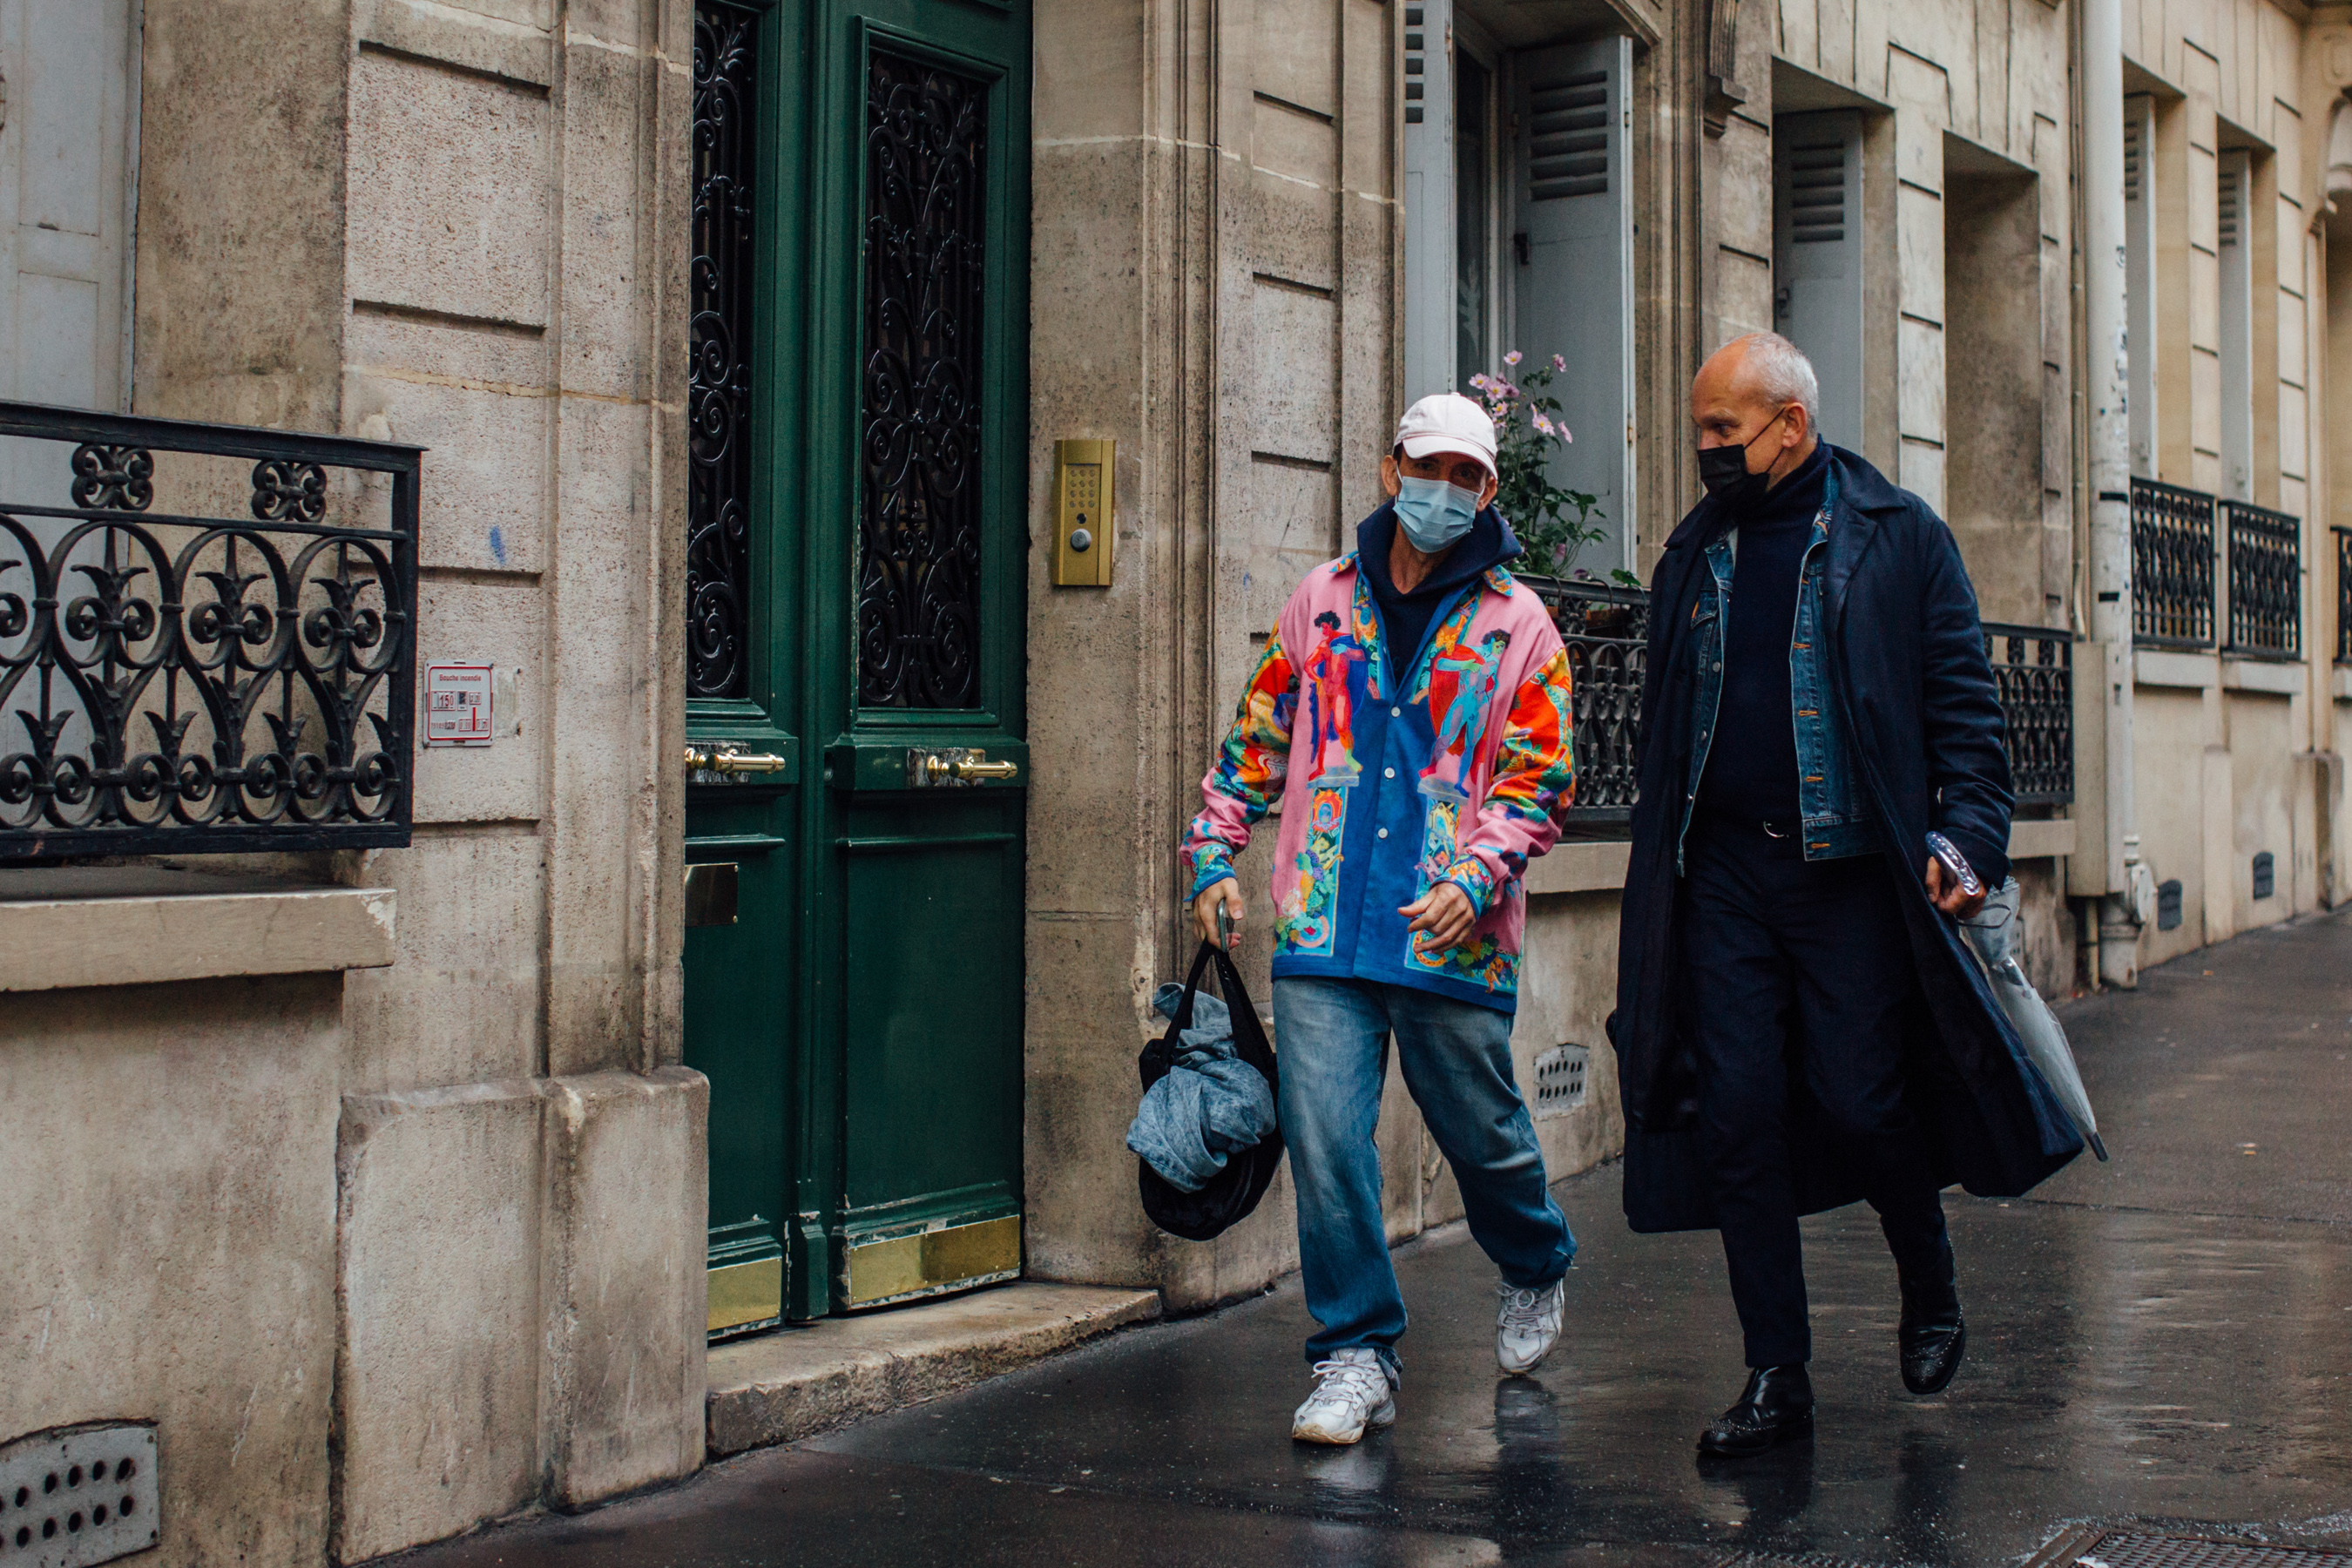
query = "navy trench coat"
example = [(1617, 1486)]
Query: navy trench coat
[(1905, 661)]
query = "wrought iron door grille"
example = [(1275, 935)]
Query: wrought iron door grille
[(1607, 631), (718, 380), (2172, 565), (2265, 581), (2344, 595), (918, 547), (2034, 668), (232, 670)]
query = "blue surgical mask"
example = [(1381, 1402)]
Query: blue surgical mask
[(1432, 514)]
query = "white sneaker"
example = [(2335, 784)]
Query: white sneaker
[(1527, 1325), (1351, 1393)]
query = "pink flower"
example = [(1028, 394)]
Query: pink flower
[(1559, 363), (1543, 424), (1479, 381), (1512, 358)]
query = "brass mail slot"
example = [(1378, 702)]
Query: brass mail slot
[(710, 894)]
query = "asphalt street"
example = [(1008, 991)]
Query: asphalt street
[(2163, 1340)]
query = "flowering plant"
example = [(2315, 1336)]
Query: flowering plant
[(1552, 522)]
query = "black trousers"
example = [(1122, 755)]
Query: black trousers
[(1800, 971)]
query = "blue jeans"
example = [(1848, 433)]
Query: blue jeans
[(1332, 1036)]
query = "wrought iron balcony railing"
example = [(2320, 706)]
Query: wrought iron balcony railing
[(2265, 581), (2172, 565), (1607, 631), (2034, 668), (2344, 595), (1608, 635), (207, 638)]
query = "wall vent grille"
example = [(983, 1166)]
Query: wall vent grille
[(1560, 1079), (77, 1495)]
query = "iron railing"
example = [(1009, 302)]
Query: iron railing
[(232, 670), (2344, 595), (2034, 668), (2172, 565), (1607, 631), (2265, 581)]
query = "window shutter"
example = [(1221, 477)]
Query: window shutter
[(1574, 272), (1429, 218), (2140, 280), (2235, 176), (63, 161), (1817, 258)]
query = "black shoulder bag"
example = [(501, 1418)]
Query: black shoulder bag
[(1235, 1191)]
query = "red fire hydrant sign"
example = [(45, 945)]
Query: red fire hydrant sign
[(457, 704)]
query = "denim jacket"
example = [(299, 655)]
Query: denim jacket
[(1834, 824)]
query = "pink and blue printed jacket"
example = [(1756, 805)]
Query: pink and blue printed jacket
[(1454, 771)]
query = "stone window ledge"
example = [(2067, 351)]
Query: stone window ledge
[(1581, 868), (136, 925), (2181, 671)]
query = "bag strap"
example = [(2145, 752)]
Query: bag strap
[(1229, 981), (1183, 1019)]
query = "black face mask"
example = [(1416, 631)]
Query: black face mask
[(1724, 473)]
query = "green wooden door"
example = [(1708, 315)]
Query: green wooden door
[(854, 667)]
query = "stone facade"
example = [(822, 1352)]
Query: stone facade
[(418, 1233), (408, 1248)]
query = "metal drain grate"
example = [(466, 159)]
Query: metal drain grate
[(77, 1495), (2119, 1549)]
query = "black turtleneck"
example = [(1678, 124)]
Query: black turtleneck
[(1751, 765), (1405, 617)]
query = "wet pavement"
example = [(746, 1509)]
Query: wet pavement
[(2165, 1340)]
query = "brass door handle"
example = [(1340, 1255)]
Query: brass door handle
[(968, 770), (727, 758), (954, 765)]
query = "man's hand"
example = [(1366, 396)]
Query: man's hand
[(1944, 893), (1444, 912), (1204, 909)]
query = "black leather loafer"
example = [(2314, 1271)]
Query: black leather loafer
[(1776, 1407), (1931, 1346)]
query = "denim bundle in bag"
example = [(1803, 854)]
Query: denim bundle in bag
[(1206, 1134)]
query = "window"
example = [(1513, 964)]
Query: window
[(2235, 176), (1474, 220), (1531, 144), (2139, 279), (1573, 272), (1817, 261), (65, 168)]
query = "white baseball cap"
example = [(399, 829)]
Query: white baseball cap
[(1447, 421)]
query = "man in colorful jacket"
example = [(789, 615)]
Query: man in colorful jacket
[(1413, 705)]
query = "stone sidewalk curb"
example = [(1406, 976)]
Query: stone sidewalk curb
[(798, 1381)]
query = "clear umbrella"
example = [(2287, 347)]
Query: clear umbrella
[(1992, 936)]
